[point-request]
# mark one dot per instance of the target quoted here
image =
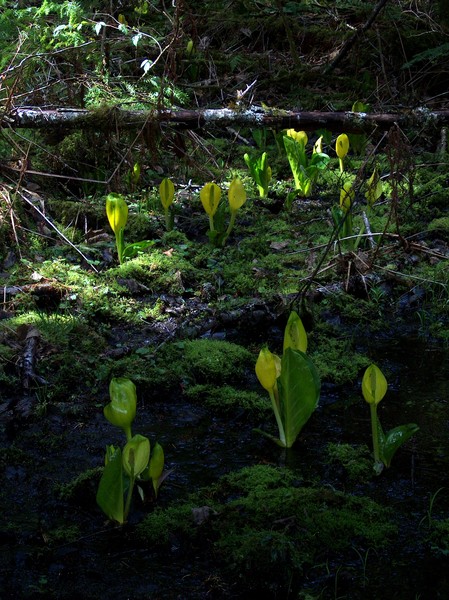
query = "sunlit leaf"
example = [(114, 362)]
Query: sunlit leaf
[(299, 392), (391, 441)]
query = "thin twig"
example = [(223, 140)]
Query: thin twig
[(53, 226)]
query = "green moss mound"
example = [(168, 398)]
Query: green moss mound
[(268, 530)]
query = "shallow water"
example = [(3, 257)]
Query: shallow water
[(200, 447)]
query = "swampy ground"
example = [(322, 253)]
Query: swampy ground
[(237, 516), (185, 321)]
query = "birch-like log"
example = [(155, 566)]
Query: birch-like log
[(253, 117)]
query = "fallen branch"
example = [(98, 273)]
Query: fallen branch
[(29, 358), (254, 117)]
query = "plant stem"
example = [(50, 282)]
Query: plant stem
[(230, 226), (275, 404), (128, 432), (374, 432), (340, 160), (128, 498), (167, 219), (119, 244), (211, 223)]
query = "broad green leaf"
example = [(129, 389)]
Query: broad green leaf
[(299, 392), (359, 106), (133, 250), (391, 441), (319, 160), (374, 385), (110, 489), (295, 335)]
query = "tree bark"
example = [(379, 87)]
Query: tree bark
[(253, 117)]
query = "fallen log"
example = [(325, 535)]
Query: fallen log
[(253, 117)]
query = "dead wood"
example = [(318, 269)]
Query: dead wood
[(253, 117)]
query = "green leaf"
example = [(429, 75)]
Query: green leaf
[(110, 488), (132, 250), (299, 392), (390, 442)]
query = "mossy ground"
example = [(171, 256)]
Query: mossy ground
[(264, 524)]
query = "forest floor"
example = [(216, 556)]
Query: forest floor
[(185, 321)]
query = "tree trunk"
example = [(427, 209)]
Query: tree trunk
[(253, 117)]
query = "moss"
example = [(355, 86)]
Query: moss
[(264, 526), (337, 361), (158, 270), (205, 361), (63, 535), (229, 399), (356, 461), (81, 488), (440, 225)]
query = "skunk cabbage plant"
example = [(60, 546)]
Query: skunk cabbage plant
[(305, 170), (342, 148), (117, 213), (374, 388), (292, 383), (134, 464), (121, 410), (342, 215), (210, 196), (374, 189), (167, 194), (236, 199), (260, 172)]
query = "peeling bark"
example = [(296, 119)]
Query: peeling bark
[(254, 117)]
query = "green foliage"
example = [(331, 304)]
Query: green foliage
[(292, 383), (305, 170), (260, 172), (117, 213), (135, 463), (385, 445)]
